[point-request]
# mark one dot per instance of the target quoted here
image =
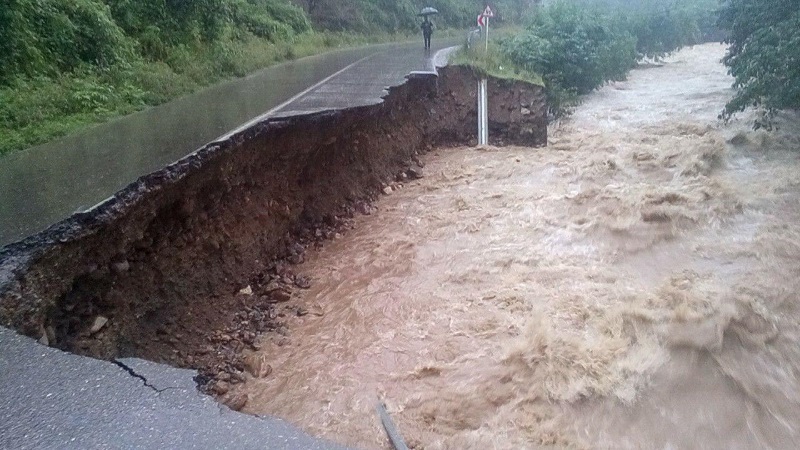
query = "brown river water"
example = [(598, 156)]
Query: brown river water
[(633, 285)]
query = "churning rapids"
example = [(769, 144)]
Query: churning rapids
[(633, 285)]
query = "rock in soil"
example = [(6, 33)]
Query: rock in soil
[(257, 365), (280, 295), (121, 266), (414, 173), (303, 282), (234, 401), (246, 290), (220, 388), (224, 376), (98, 324)]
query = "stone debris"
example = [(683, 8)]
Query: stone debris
[(414, 173), (256, 364), (388, 190), (280, 295), (303, 282), (98, 324), (220, 387), (234, 401), (365, 208), (246, 290), (121, 266)]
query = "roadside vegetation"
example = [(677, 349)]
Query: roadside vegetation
[(67, 64), (494, 63), (764, 56), (578, 47)]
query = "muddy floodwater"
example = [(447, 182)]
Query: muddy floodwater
[(633, 285)]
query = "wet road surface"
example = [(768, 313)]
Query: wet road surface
[(45, 184)]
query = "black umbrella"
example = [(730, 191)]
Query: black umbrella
[(428, 11)]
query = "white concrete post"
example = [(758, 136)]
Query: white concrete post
[(483, 113), (487, 33)]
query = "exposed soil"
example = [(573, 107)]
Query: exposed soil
[(185, 266)]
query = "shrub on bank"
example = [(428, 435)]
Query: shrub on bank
[(577, 48), (764, 55)]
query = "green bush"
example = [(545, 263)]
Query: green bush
[(663, 30), (369, 16), (269, 19), (578, 48), (764, 55), (575, 49), (65, 64), (52, 36), (661, 27), (170, 22)]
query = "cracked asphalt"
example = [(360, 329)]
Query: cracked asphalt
[(50, 399), (53, 399)]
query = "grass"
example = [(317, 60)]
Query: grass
[(493, 63), (37, 110)]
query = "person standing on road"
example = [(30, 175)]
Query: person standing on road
[(427, 31)]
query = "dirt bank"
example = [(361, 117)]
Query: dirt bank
[(184, 265)]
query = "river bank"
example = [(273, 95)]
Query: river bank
[(185, 265), (629, 286)]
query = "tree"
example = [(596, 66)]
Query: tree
[(764, 55)]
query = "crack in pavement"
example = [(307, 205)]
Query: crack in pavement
[(133, 373)]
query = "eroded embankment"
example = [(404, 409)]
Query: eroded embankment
[(633, 286), (155, 271)]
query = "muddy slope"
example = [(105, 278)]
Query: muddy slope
[(156, 271)]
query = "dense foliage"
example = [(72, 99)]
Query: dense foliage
[(68, 63), (579, 47), (764, 54), (50, 37), (574, 47), (399, 15)]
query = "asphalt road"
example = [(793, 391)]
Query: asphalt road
[(52, 399), (45, 184)]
